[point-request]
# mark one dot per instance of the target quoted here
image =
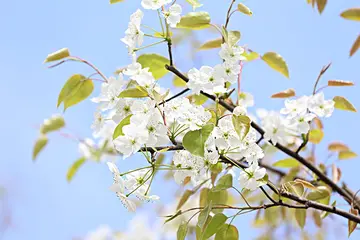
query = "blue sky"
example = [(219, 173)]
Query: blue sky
[(44, 205)]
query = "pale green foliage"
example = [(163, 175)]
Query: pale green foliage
[(244, 9), (39, 145), (342, 103), (118, 130), (137, 92), (156, 64), (58, 55), (276, 62), (194, 141), (195, 21), (242, 125), (74, 168), (286, 163)]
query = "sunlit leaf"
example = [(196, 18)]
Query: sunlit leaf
[(276, 62), (347, 154), (156, 64), (337, 147), (316, 135), (52, 124), (195, 21), (250, 56), (300, 216), (241, 124), (352, 225), (136, 92), (342, 103), (194, 141), (118, 130), (227, 232), (115, 1), (182, 231), (216, 43), (204, 214), (284, 94), (58, 55), (74, 168), (203, 201), (178, 82), (244, 9), (339, 83), (321, 194), (286, 163), (305, 184), (218, 198), (195, 3), (233, 37), (324, 214), (317, 218), (76, 89), (39, 145), (214, 225), (355, 46), (351, 14), (336, 173)]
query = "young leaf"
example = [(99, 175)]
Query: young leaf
[(52, 124), (305, 184), (346, 154), (316, 135), (156, 64), (342, 103), (39, 145), (182, 231), (227, 232), (336, 173), (74, 168), (137, 92), (300, 216), (286, 163), (204, 214), (115, 1), (244, 9), (317, 218), (324, 214), (195, 21), (276, 62), (321, 5), (284, 94), (233, 37), (195, 3), (118, 130), (218, 198), (351, 224), (241, 124), (184, 198), (355, 46), (204, 197), (337, 147), (251, 56), (178, 82), (214, 225), (76, 89), (194, 141), (339, 83), (58, 55), (216, 43), (224, 182), (351, 14), (319, 194)]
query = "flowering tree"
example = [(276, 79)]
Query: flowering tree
[(218, 150)]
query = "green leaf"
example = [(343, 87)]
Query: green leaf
[(300, 216), (194, 141), (342, 103), (295, 188), (184, 198), (39, 145), (324, 214), (52, 124), (199, 99), (74, 168), (203, 197), (216, 43), (347, 154), (244, 9), (204, 214), (241, 124), (355, 46), (58, 55), (214, 225), (195, 3), (137, 92), (224, 182), (156, 64), (227, 232), (316, 135), (251, 56), (118, 130), (115, 1), (195, 21), (178, 82), (321, 5), (276, 62), (286, 163), (351, 14), (321, 194), (218, 198), (76, 89), (182, 231), (233, 37)]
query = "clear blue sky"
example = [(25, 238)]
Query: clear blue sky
[(44, 205)]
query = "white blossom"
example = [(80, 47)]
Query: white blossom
[(295, 107), (173, 16), (246, 100), (251, 178), (320, 106), (98, 123), (154, 4), (231, 54), (206, 79), (122, 109), (300, 124), (136, 183), (133, 35)]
